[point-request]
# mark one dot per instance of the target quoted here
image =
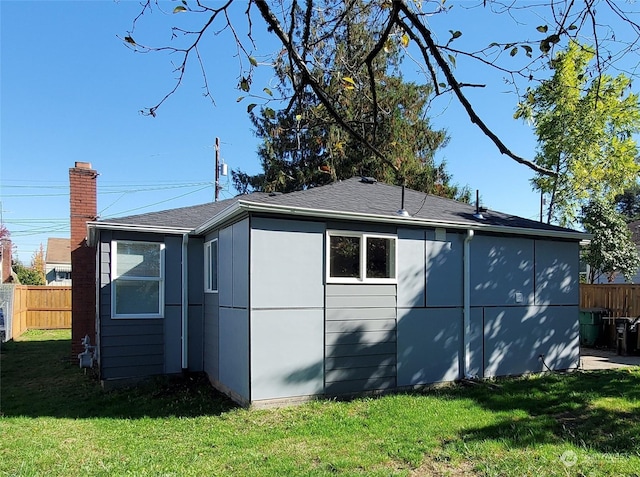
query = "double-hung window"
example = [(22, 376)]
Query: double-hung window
[(137, 279), (211, 266), (360, 257)]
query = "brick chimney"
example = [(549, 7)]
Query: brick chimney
[(84, 208)]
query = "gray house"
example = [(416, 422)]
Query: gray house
[(333, 291)]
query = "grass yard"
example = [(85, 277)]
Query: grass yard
[(57, 421)]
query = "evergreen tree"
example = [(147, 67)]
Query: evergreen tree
[(304, 147)]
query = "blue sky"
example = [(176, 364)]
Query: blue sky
[(71, 91)]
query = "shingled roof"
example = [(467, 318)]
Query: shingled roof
[(58, 250), (355, 197)]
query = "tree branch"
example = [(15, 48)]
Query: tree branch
[(308, 79), (426, 35)]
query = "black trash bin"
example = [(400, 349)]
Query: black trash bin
[(627, 335)]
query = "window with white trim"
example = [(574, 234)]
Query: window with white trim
[(360, 257), (137, 279), (211, 266)]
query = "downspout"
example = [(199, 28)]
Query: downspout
[(466, 291), (185, 303)]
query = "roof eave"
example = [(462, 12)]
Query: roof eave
[(93, 227), (248, 206)]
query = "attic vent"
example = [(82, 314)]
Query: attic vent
[(368, 180)]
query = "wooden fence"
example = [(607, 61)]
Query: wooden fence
[(620, 300), (40, 307)]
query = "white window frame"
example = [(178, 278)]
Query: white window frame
[(115, 276), (208, 288), (363, 257)]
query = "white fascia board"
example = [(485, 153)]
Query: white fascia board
[(92, 227), (400, 220), (241, 206), (224, 215)]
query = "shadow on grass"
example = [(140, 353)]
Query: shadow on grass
[(599, 410), (39, 378)]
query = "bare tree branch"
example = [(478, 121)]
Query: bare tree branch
[(442, 63), (310, 27), (308, 79)]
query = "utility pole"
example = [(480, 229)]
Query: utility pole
[(217, 184)]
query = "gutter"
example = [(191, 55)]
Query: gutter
[(93, 227), (247, 206), (466, 292), (185, 301)]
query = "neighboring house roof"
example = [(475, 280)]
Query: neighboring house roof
[(351, 199), (58, 251)]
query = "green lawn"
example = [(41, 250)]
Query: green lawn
[(57, 421)]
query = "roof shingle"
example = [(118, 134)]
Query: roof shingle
[(348, 196)]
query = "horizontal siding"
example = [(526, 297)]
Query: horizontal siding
[(361, 290), (347, 362), (344, 314), (360, 349), (131, 348), (362, 385), (142, 360), (360, 338), (360, 326), (363, 301), (360, 373)]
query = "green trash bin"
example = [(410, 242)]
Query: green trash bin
[(590, 325)]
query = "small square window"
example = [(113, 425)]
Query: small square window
[(345, 256), (381, 257)]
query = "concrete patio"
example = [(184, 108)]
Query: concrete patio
[(592, 359)]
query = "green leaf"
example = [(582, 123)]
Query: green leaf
[(528, 49), (250, 107), (554, 38), (179, 9), (442, 85), (452, 60), (298, 117), (269, 113), (545, 46), (240, 98), (543, 28), (572, 27), (268, 91), (244, 84), (455, 34), (253, 61), (130, 40), (491, 45), (514, 51)]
